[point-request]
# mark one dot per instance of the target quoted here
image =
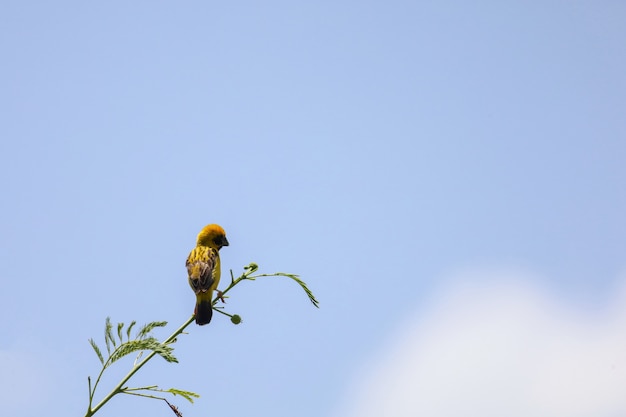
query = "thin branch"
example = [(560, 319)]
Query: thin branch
[(118, 387), (155, 347)]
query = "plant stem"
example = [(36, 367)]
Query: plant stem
[(118, 387), (247, 275)]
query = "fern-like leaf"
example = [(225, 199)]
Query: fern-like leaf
[(136, 345), (297, 279), (120, 326), (108, 336), (188, 395), (164, 351), (147, 328), (129, 329), (304, 287), (97, 350)]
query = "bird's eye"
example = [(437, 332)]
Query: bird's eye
[(217, 240)]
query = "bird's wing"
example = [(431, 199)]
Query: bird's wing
[(201, 263)]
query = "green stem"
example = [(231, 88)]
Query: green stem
[(247, 275), (230, 286), (143, 395), (222, 312), (118, 387)]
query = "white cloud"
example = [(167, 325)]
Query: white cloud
[(499, 347)]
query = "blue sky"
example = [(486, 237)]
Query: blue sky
[(394, 154)]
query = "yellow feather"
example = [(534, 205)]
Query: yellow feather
[(203, 269)]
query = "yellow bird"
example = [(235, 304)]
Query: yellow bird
[(203, 267)]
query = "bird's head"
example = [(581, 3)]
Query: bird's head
[(212, 236)]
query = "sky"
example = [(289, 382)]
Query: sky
[(446, 177)]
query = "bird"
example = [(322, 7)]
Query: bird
[(203, 268)]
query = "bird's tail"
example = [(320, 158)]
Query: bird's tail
[(204, 312)]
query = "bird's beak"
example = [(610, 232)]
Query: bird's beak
[(225, 242)]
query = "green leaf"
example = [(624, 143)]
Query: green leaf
[(188, 395), (97, 350), (295, 278), (108, 336), (147, 328), (129, 329), (119, 331), (149, 343), (164, 351), (304, 287)]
